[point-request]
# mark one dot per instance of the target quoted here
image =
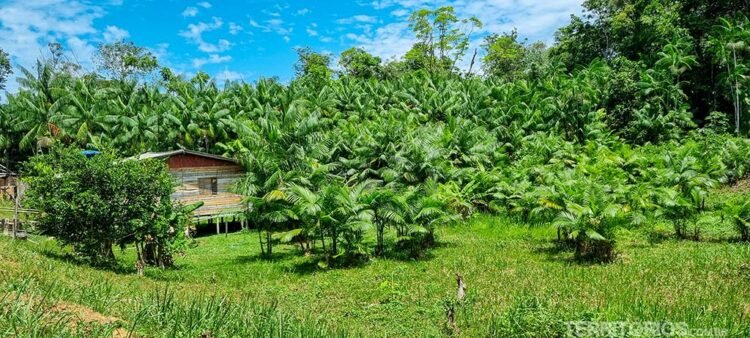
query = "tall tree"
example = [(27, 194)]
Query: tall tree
[(5, 68), (730, 45), (312, 67), (124, 59), (442, 38), (361, 64), (504, 55)]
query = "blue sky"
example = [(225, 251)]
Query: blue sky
[(245, 40)]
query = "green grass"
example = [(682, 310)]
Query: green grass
[(704, 284), (6, 208)]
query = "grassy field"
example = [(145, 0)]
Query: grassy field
[(704, 284)]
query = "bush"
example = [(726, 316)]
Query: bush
[(531, 317), (95, 203), (739, 213)]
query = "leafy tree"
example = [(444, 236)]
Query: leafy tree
[(730, 47), (313, 68), (95, 203), (504, 55), (5, 68), (124, 59), (360, 64), (420, 57), (443, 38)]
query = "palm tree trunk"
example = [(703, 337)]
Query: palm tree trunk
[(269, 244), (380, 230), (334, 240), (734, 94), (260, 241), (323, 240)]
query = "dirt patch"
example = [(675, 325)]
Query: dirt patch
[(77, 315), (122, 333), (9, 265), (741, 186), (87, 316), (83, 314)]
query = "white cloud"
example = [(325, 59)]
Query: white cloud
[(400, 12), (82, 50), (326, 39), (194, 34), (382, 4), (211, 59), (234, 28), (303, 11), (357, 18), (276, 11), (26, 27), (388, 42), (160, 51), (312, 30), (274, 25), (190, 12), (114, 33), (228, 75)]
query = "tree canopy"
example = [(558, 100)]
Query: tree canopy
[(5, 68)]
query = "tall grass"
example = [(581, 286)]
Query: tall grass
[(31, 308)]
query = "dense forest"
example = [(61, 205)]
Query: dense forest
[(628, 114)]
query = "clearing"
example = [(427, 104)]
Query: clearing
[(703, 284)]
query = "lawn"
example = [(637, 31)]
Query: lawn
[(704, 284)]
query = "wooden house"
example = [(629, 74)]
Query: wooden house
[(205, 177)]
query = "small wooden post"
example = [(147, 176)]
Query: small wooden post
[(15, 211), (218, 230), (461, 292), (226, 227)]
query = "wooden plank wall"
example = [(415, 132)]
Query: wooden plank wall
[(225, 202), (187, 179)]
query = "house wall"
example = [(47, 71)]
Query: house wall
[(187, 179), (188, 169)]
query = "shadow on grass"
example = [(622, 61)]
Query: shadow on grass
[(319, 262), (116, 267), (276, 257), (554, 251), (406, 256)]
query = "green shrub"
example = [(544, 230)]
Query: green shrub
[(739, 213), (93, 204)]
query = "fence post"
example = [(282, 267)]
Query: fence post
[(15, 210)]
